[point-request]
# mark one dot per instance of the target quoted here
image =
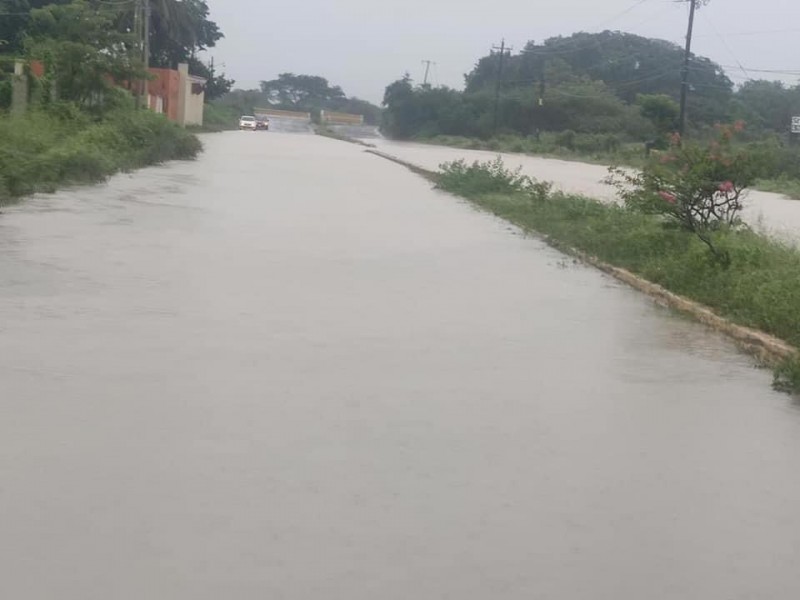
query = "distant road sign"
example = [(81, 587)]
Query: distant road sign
[(795, 124)]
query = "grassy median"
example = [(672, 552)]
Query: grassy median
[(42, 151), (759, 289)]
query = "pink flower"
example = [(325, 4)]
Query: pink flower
[(667, 197), (726, 186)]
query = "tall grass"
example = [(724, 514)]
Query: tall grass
[(598, 148), (782, 185), (760, 288), (42, 151), (220, 117)]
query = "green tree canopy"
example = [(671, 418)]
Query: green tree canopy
[(82, 49), (659, 109), (304, 92), (629, 65)]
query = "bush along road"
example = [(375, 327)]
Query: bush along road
[(679, 228), (45, 150)]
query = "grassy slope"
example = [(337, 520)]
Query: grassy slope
[(43, 151)]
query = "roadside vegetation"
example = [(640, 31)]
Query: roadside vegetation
[(220, 117), (80, 121), (45, 150), (678, 227), (301, 93), (781, 185), (584, 147), (602, 97)]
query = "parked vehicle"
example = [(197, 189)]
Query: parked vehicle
[(248, 122)]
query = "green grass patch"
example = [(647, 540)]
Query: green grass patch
[(219, 117), (42, 151), (326, 131), (605, 149), (782, 185), (760, 288)]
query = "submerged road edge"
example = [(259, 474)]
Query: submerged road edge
[(767, 349)]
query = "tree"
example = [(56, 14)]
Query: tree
[(82, 51), (629, 65), (217, 85), (301, 92), (12, 26), (659, 109), (179, 30), (768, 104)]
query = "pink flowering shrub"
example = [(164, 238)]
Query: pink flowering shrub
[(698, 186)]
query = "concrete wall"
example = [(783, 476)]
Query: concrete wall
[(329, 116), (178, 95), (288, 114), (195, 101), (19, 89)]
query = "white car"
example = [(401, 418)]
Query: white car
[(247, 122)]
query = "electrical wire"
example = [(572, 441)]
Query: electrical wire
[(724, 43)]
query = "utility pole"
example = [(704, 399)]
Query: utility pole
[(146, 52), (685, 71), (427, 64), (137, 35), (502, 49)]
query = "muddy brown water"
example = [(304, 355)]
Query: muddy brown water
[(292, 370)]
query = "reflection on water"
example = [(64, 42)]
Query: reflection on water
[(291, 370)]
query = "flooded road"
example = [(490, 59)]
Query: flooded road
[(769, 213), (291, 370)]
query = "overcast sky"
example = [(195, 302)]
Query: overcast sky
[(363, 45)]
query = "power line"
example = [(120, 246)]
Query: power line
[(749, 33), (725, 43), (773, 71), (622, 14)]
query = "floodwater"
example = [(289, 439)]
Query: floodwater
[(769, 213), (291, 370)]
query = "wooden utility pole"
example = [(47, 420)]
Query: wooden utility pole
[(137, 54), (427, 64), (685, 71), (503, 50), (146, 52)]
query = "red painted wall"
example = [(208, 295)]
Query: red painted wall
[(166, 85)]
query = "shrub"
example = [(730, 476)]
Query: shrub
[(491, 177), (698, 186), (787, 375), (43, 149)]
